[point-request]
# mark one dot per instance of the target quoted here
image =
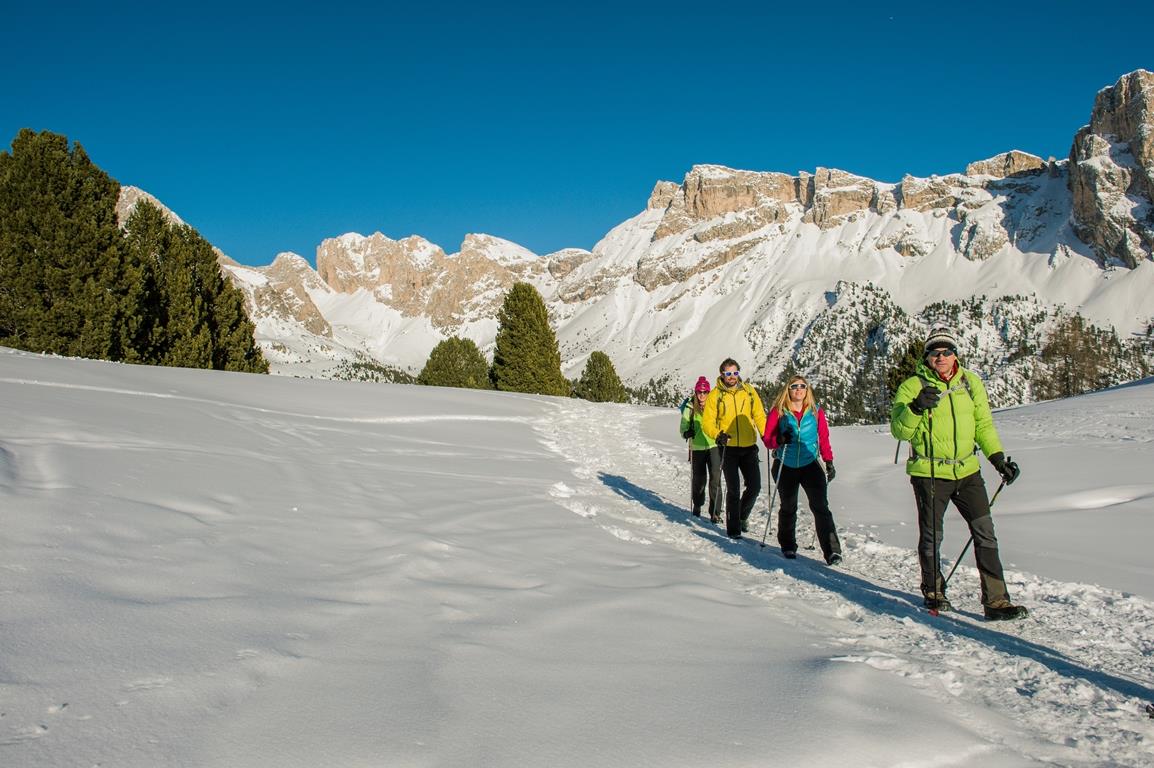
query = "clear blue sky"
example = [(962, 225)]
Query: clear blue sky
[(272, 127)]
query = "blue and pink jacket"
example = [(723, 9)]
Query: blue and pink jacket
[(810, 437)]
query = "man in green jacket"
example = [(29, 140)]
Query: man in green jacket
[(944, 414)]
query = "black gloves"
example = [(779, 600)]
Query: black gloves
[(925, 400), (830, 472), (722, 439), (784, 435), (688, 434), (1006, 467)]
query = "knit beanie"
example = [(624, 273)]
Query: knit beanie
[(702, 384), (941, 336)]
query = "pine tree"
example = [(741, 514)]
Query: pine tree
[(191, 317), (526, 358), (1080, 357), (63, 283), (906, 366), (456, 362), (599, 382)]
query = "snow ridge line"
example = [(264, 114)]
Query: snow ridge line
[(1072, 677)]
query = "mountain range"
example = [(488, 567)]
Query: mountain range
[(826, 272)]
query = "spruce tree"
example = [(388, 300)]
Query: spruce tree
[(905, 366), (191, 317), (63, 282), (456, 362), (599, 382), (526, 358)]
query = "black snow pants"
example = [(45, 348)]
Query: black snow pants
[(811, 477), (739, 503), (969, 496)]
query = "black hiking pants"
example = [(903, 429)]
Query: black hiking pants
[(811, 477), (739, 503), (706, 462), (969, 496)]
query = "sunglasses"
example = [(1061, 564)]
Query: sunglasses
[(798, 386), (936, 353), (728, 374)]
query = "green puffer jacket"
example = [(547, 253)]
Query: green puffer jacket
[(701, 441), (961, 423)]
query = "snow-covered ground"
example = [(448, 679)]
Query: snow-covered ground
[(209, 569)]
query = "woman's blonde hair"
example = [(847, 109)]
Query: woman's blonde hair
[(782, 401)]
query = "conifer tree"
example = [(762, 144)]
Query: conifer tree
[(906, 366), (1081, 358), (456, 362), (599, 382), (63, 283), (526, 358), (191, 317)]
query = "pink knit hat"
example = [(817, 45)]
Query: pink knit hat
[(702, 384)]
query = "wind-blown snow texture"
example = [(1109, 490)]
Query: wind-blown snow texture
[(212, 569)]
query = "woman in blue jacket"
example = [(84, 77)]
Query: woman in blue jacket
[(797, 433)]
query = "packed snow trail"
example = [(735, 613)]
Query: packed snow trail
[(1071, 681)]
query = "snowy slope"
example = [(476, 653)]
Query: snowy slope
[(215, 569)]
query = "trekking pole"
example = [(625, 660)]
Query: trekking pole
[(934, 520), (971, 539), (772, 487), (717, 502)]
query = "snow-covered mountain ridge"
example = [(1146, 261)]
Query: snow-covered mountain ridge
[(769, 268)]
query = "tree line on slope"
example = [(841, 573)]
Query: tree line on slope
[(75, 282), (526, 358)]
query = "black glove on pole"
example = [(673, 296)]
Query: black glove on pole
[(722, 439), (926, 399), (1006, 467)]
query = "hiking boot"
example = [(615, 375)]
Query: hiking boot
[(714, 518), (697, 511), (744, 526), (834, 559), (1004, 610), (789, 554), (936, 601)]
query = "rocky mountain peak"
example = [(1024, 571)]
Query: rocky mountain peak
[(1006, 164), (1112, 172)]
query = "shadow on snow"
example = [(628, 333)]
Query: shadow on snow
[(872, 597)]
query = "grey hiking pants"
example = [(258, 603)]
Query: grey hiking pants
[(969, 496)]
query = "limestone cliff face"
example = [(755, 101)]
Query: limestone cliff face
[(417, 278), (1006, 164), (284, 293), (1112, 172)]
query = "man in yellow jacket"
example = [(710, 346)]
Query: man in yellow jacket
[(734, 418)]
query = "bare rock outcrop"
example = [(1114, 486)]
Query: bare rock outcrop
[(837, 194), (713, 191), (1111, 172), (1006, 164), (284, 293), (662, 195)]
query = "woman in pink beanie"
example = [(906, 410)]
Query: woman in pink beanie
[(703, 452)]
